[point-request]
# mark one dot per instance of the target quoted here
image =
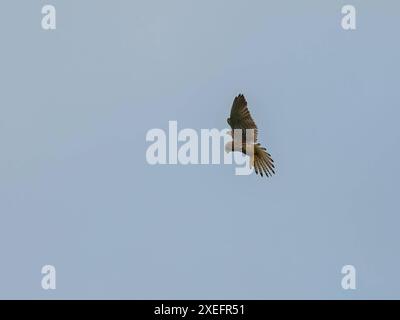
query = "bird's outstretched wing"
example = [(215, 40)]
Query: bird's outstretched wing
[(263, 163), (240, 117)]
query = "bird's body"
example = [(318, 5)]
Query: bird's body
[(244, 133)]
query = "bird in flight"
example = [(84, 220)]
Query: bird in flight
[(244, 133)]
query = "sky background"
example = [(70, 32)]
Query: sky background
[(76, 191)]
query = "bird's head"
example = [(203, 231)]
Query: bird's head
[(229, 146)]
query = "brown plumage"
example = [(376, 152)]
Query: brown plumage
[(240, 118)]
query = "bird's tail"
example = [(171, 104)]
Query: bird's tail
[(262, 161)]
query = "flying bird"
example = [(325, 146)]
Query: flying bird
[(244, 133)]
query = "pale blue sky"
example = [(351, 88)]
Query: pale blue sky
[(76, 191)]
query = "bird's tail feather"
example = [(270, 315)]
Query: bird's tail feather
[(263, 163)]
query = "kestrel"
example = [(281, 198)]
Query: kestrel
[(240, 118)]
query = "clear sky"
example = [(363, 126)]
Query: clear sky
[(76, 191)]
